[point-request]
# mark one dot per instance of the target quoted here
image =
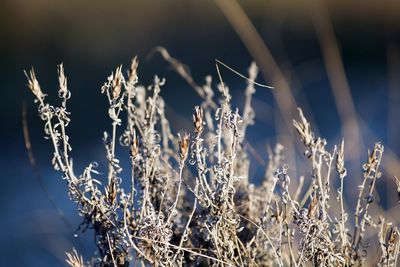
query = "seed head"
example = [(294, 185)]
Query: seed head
[(340, 161), (132, 75), (62, 81), (33, 85), (370, 168), (313, 207), (134, 146), (117, 83), (392, 240), (74, 259), (198, 120), (112, 192), (184, 145), (304, 129)]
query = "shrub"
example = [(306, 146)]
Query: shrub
[(191, 201)]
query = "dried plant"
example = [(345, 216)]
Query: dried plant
[(191, 201), (74, 259)]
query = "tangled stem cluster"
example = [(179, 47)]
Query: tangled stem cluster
[(191, 202)]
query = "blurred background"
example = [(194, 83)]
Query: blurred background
[(337, 60)]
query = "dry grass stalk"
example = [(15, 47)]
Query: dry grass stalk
[(74, 259)]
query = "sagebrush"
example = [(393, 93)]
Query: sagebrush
[(192, 202)]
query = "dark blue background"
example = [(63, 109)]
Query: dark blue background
[(93, 37)]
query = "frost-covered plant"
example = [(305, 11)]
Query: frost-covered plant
[(210, 214)]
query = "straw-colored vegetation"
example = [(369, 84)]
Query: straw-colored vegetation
[(191, 200)]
